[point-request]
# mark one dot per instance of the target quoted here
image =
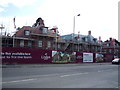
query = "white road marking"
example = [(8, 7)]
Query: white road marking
[(18, 81), (33, 78), (73, 74), (99, 71), (104, 70), (50, 74)]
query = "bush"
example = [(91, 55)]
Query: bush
[(62, 61), (99, 60)]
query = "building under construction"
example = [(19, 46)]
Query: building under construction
[(39, 37)]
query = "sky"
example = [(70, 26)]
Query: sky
[(99, 16)]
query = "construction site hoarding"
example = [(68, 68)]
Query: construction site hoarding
[(10, 55)]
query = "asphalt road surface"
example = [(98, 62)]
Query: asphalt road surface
[(61, 76)]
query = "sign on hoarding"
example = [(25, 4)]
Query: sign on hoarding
[(63, 57), (87, 57), (99, 57), (79, 57), (16, 55), (25, 55)]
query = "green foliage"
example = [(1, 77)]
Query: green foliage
[(62, 61), (99, 60)]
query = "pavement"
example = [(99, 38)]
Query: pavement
[(50, 65)]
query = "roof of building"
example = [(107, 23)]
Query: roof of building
[(81, 38), (111, 42), (35, 31), (38, 28)]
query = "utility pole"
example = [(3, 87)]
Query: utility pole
[(1, 27)]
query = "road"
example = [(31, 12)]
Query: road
[(62, 76)]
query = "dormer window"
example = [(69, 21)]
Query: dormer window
[(83, 39), (26, 32), (45, 29), (94, 39), (86, 39)]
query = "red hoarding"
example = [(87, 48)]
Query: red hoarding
[(79, 57), (25, 55), (37, 56)]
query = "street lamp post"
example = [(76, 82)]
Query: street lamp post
[(78, 40), (73, 25), (74, 30)]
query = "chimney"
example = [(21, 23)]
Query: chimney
[(99, 38), (110, 39), (89, 32)]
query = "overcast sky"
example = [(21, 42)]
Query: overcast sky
[(99, 16)]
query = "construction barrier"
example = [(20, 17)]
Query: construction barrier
[(38, 56)]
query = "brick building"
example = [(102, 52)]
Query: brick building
[(40, 36), (111, 47), (82, 43), (37, 36)]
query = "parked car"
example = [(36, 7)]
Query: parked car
[(116, 61)]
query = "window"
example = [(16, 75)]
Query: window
[(110, 50), (21, 43), (83, 39), (105, 50), (27, 32), (54, 45), (58, 45), (39, 43), (108, 45), (29, 44), (49, 44), (94, 39), (86, 39), (45, 29)]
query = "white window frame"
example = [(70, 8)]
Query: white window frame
[(110, 50), (29, 44), (108, 45), (45, 29), (40, 43), (48, 44), (27, 32), (59, 45), (21, 43)]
